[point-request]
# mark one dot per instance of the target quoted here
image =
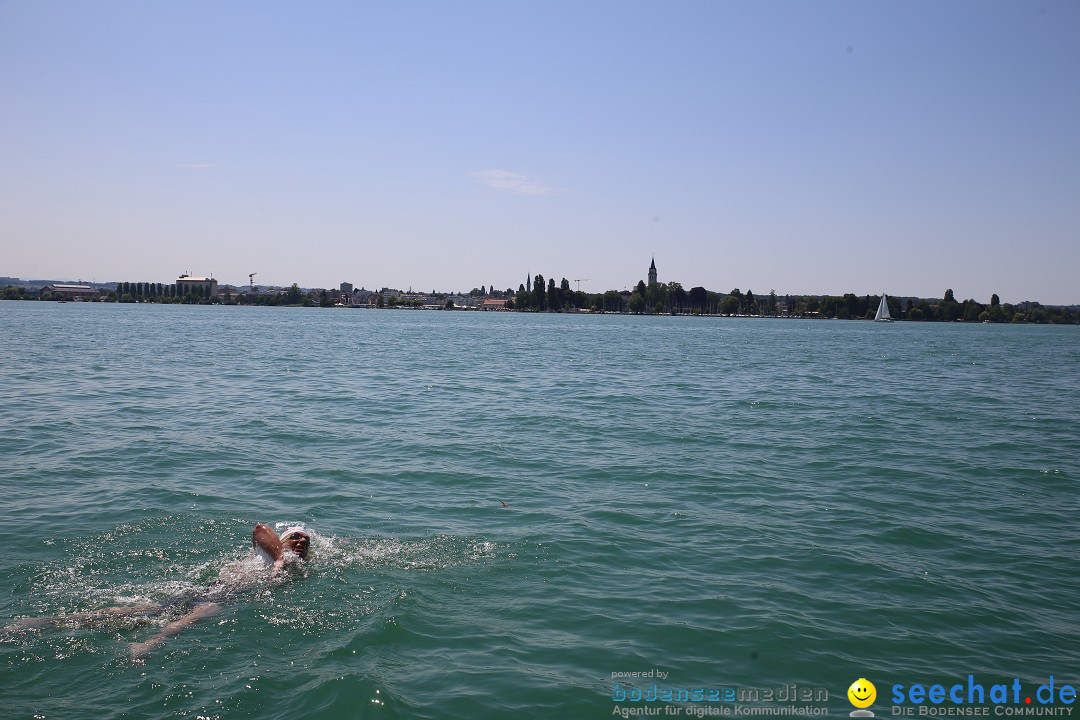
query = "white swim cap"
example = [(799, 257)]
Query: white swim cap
[(293, 528)]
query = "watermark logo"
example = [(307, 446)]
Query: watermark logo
[(862, 694), (647, 692), (975, 699)]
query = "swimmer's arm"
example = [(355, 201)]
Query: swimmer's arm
[(263, 537)]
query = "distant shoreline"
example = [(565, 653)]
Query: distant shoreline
[(1031, 314)]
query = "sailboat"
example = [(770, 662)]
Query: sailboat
[(883, 311)]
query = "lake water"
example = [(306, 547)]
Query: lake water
[(733, 502)]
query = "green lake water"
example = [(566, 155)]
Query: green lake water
[(736, 503)]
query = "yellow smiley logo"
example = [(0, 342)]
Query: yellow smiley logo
[(862, 693)]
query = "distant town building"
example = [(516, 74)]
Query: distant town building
[(187, 283), (346, 288), (71, 292), (493, 304), (652, 273), (362, 297), (460, 301)]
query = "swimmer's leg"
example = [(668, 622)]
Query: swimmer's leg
[(197, 613), (31, 623)]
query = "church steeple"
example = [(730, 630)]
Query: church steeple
[(652, 272)]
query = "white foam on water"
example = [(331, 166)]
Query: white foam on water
[(343, 582)]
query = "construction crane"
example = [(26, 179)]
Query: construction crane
[(251, 280), (581, 281)]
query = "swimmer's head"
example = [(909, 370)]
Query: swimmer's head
[(297, 539)]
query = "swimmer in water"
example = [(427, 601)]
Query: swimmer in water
[(277, 552)]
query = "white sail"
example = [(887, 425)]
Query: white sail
[(883, 311)]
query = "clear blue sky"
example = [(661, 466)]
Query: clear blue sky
[(825, 147)]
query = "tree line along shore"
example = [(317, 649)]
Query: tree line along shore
[(541, 295)]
